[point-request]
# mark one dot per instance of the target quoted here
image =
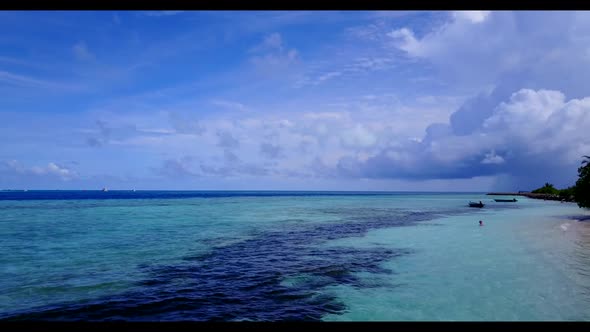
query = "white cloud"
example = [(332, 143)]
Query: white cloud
[(62, 172), (473, 16), (272, 56), (328, 76), (358, 137), (405, 40), (534, 134), (325, 115), (372, 32), (276, 60), (492, 158), (540, 48), (230, 105), (347, 67), (81, 52), (52, 169), (272, 42), (526, 112), (31, 82), (368, 64), (531, 119)]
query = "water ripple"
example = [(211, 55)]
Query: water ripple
[(271, 276)]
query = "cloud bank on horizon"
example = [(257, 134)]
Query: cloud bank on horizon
[(467, 101)]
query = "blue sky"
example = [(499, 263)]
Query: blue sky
[(297, 100)]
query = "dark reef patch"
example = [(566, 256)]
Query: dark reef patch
[(276, 275)]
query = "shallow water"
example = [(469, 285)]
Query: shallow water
[(290, 256)]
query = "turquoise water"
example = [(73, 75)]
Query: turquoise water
[(295, 257)]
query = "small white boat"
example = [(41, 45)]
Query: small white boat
[(105, 189)]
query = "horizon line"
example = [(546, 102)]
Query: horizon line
[(275, 190)]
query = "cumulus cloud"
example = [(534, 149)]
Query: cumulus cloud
[(51, 170), (358, 137), (525, 116), (492, 158), (533, 134), (526, 112), (286, 144), (530, 134), (404, 39), (505, 47), (522, 126)]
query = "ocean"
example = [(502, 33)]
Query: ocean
[(290, 256)]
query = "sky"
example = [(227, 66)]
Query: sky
[(293, 100)]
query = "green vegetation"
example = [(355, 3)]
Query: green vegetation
[(582, 188), (566, 193), (548, 188), (579, 193)]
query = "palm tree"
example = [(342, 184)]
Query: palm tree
[(582, 187)]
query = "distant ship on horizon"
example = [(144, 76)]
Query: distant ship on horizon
[(105, 189)]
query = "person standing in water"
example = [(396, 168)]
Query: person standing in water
[(481, 223)]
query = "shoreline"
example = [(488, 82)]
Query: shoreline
[(546, 197)]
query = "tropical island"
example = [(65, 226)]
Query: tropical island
[(578, 193)]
